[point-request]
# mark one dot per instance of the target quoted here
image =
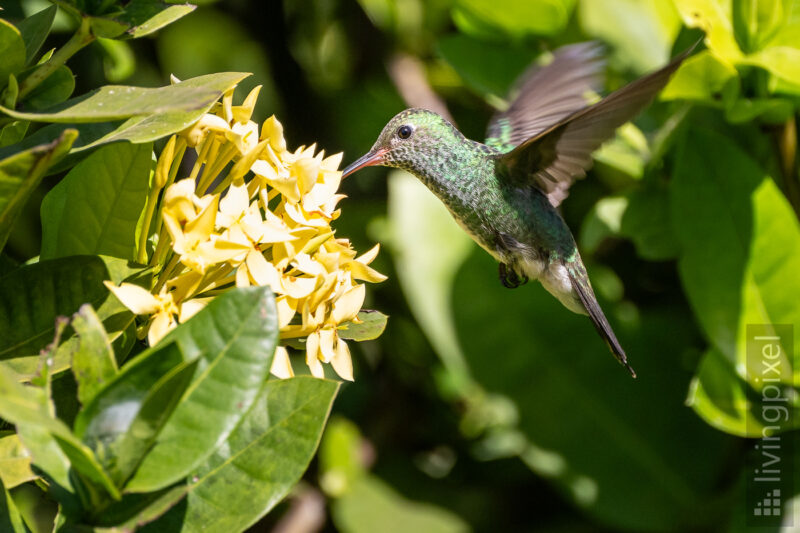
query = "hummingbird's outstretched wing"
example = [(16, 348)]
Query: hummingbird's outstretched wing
[(543, 95), (563, 152)]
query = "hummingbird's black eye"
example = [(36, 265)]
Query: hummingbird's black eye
[(404, 132)]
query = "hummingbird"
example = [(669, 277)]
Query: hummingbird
[(505, 192)]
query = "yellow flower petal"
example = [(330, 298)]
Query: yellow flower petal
[(367, 257), (365, 273), (273, 130), (332, 162), (135, 298), (342, 363), (286, 310), (201, 227), (243, 112), (161, 325), (236, 201), (327, 337), (281, 365), (349, 304), (312, 355), (263, 272), (298, 287)]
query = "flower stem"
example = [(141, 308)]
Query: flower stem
[(150, 207), (81, 38)]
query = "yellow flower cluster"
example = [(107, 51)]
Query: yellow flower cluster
[(266, 222)]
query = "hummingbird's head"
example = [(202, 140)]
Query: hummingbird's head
[(412, 139)]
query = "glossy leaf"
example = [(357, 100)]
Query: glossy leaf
[(755, 22), (34, 31), (93, 362), (95, 208), (21, 173), (15, 461), (13, 133), (234, 337), (12, 59), (261, 461), (728, 214), (10, 519), (371, 326), (32, 296), (372, 505), (56, 88), (714, 18), (114, 102)]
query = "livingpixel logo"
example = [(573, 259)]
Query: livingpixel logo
[(769, 483)]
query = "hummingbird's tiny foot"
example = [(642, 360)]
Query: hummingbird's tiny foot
[(509, 278)]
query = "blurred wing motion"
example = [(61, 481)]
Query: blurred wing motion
[(563, 152), (544, 95)]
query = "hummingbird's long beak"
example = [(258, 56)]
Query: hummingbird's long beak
[(367, 160)]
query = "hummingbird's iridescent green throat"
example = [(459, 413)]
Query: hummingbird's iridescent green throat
[(505, 193)]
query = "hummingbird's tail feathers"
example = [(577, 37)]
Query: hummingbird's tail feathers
[(599, 320)]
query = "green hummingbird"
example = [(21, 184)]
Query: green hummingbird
[(505, 192)]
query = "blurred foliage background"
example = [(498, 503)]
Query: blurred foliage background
[(486, 409)]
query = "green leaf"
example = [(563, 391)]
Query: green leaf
[(724, 400), (782, 61), (15, 461), (93, 362), (28, 406), (261, 461), (95, 208), (32, 296), (12, 60), (107, 28), (56, 88), (133, 511), (487, 68), (714, 18), (13, 133), (372, 505), (769, 110), (703, 78), (148, 16), (728, 215), (515, 19), (119, 61), (640, 31), (154, 412), (646, 222), (428, 248), (10, 519), (234, 337), (114, 102), (34, 31), (20, 174), (756, 22), (37, 510), (371, 327)]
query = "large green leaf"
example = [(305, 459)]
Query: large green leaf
[(372, 505), (114, 102), (95, 208), (93, 362), (123, 419), (234, 338), (34, 31), (260, 462), (756, 22), (21, 173), (12, 60), (728, 216), (10, 519), (32, 296)]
